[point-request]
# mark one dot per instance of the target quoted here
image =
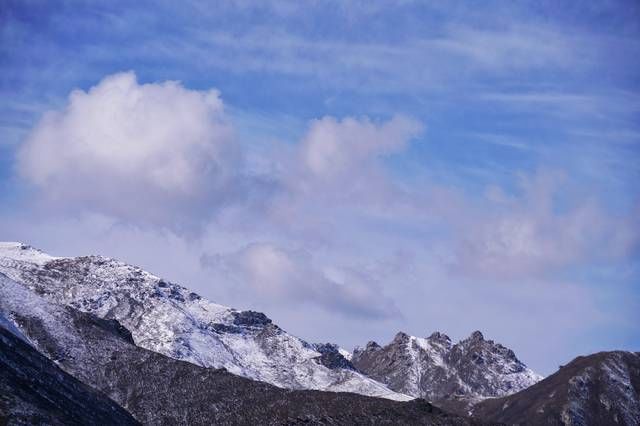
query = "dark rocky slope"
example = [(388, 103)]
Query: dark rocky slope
[(600, 389), (163, 391), (34, 391)]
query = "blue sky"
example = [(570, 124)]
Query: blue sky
[(350, 168)]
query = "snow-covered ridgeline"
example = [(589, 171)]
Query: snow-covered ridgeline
[(170, 319)]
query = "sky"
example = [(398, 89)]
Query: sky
[(350, 168)]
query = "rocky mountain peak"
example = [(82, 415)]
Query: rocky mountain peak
[(77, 367), (434, 369), (440, 338), (401, 337), (476, 336), (371, 345)]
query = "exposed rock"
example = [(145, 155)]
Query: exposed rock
[(331, 356), (455, 376), (250, 319), (600, 389)]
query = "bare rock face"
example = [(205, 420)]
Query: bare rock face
[(159, 390), (599, 389), (454, 375), (331, 357)]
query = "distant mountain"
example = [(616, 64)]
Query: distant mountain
[(600, 389), (90, 337), (452, 375), (156, 389), (169, 319), (33, 390)]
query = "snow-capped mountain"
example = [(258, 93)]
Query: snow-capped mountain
[(65, 358), (169, 319), (72, 368), (437, 370)]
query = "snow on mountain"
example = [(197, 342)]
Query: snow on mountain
[(11, 328), (78, 365), (167, 318), (435, 369), (597, 389)]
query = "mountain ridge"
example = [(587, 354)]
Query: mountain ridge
[(69, 310), (170, 319), (436, 369), (157, 389)]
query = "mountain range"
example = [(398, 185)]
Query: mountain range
[(91, 333)]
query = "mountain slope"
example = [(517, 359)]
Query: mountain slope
[(452, 375), (171, 320), (160, 390), (34, 391), (599, 389)]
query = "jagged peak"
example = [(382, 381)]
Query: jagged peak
[(372, 345), (439, 337), (476, 336), (401, 336)]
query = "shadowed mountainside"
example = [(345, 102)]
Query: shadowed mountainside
[(599, 389), (34, 391)]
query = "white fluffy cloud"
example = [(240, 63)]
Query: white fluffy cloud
[(333, 148), (142, 152), (338, 164)]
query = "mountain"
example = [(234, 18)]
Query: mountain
[(33, 390), (90, 340), (160, 390), (452, 375), (599, 389), (171, 320)]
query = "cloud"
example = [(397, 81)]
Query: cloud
[(336, 170), (539, 232), (333, 148), (273, 274), (141, 152), (420, 62), (344, 158)]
